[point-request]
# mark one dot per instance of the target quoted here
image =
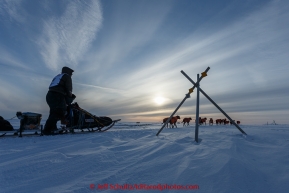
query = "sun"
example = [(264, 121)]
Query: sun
[(159, 100)]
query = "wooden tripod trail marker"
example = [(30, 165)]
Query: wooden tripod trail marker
[(213, 102), (204, 74)]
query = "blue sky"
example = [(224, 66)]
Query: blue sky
[(128, 53)]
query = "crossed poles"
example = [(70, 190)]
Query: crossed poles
[(204, 74)]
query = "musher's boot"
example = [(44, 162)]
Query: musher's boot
[(47, 132)]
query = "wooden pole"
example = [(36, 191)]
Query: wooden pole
[(197, 109)]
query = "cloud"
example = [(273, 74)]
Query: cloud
[(251, 45), (140, 50), (100, 87), (243, 55), (129, 26), (13, 9), (9, 59), (66, 38), (239, 50)]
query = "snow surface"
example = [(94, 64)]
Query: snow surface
[(224, 160)]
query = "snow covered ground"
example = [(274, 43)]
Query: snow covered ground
[(129, 157)]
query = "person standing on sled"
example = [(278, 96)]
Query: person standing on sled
[(58, 97)]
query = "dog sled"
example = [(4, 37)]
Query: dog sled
[(29, 123), (79, 121)]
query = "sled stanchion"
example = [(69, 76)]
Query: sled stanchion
[(213, 103), (22, 121), (197, 110), (41, 130)]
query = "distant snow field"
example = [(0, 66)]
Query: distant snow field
[(130, 158)]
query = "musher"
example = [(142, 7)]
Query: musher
[(58, 97)]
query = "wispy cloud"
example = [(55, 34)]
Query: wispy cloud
[(12, 9), (66, 38), (242, 53), (131, 26), (247, 45), (100, 87), (141, 48), (9, 59)]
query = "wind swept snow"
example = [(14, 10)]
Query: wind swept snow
[(127, 157)]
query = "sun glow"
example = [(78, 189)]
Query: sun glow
[(159, 100)]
